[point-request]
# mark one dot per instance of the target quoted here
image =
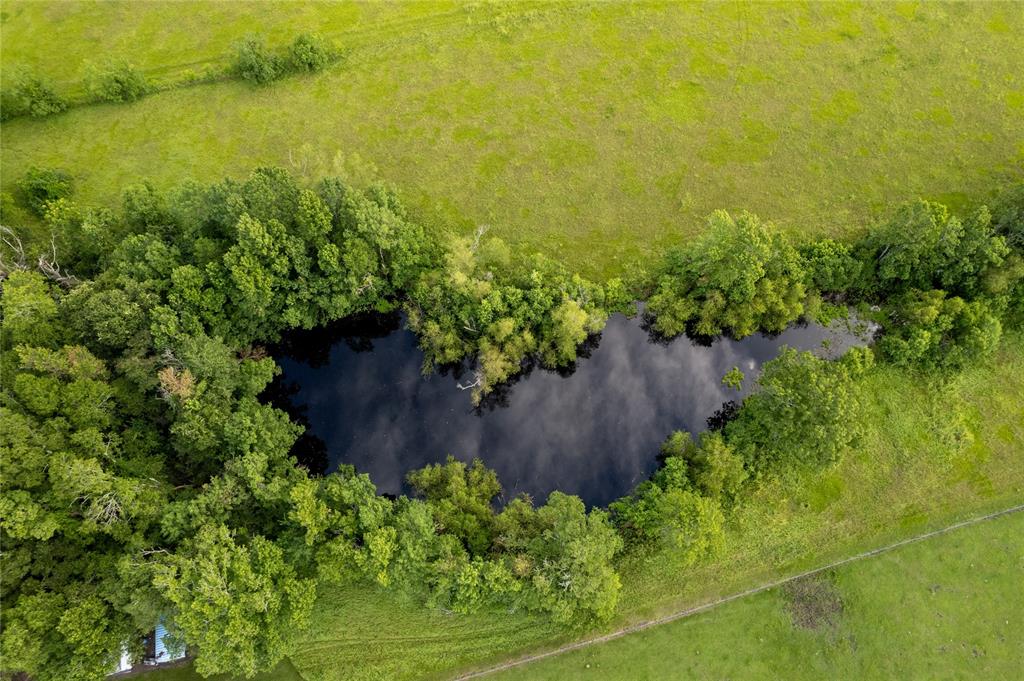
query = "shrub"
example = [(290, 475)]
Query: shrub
[(1008, 215), (117, 81), (40, 186), (83, 238), (680, 508), (741, 276), (688, 525), (924, 247), (309, 52), (10, 212), (254, 63), (145, 208), (566, 555), (27, 94), (831, 266), (932, 330), (805, 412)]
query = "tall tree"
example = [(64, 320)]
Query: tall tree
[(804, 412), (740, 276), (250, 591)]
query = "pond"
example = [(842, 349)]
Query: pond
[(593, 431)]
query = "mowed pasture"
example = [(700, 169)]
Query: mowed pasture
[(950, 607), (598, 132)]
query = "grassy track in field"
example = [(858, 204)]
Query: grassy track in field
[(951, 607), (598, 132)]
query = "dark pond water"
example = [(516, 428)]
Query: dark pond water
[(593, 431)]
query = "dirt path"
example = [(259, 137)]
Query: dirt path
[(647, 624)]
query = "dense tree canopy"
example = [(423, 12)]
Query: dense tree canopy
[(145, 478), (805, 411), (740, 276), (83, 486)]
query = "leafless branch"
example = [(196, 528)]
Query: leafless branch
[(51, 268), (13, 243), (480, 231), (171, 360), (367, 284), (103, 510), (478, 375)]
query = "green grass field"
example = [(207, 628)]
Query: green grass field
[(951, 607), (599, 132)]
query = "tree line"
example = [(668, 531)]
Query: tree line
[(144, 476)]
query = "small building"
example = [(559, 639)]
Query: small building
[(156, 651)]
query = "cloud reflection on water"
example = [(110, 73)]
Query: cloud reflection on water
[(594, 433)]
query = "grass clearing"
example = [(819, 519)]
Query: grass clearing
[(950, 607), (601, 132)]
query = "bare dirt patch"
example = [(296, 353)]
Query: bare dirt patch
[(813, 602)]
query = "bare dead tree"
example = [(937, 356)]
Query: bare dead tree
[(51, 268), (480, 232), (478, 375), (367, 284), (12, 242)]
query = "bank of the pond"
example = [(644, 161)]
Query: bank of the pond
[(592, 430)]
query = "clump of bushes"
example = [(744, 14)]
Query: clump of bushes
[(254, 62), (741, 276), (40, 186), (804, 413), (117, 81), (309, 52), (25, 93), (943, 285), (680, 509), (933, 330)]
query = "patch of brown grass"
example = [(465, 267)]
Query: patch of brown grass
[(813, 602)]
